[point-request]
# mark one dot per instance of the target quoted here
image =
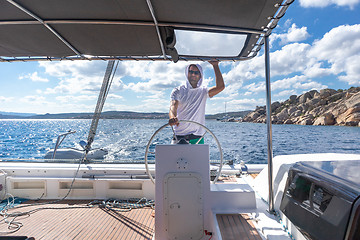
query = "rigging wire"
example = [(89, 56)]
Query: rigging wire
[(108, 78)]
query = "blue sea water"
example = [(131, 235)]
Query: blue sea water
[(127, 139)]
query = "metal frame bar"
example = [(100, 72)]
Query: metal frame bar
[(39, 20), (218, 28), (268, 124), (157, 27), (123, 58)]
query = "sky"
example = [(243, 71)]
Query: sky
[(316, 45)]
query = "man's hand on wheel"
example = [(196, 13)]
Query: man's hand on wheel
[(173, 121)]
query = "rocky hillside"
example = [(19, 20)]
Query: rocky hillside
[(327, 107)]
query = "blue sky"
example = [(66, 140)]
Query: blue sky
[(316, 45)]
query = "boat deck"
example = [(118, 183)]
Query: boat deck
[(75, 220)]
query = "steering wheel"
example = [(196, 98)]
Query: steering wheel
[(188, 121)]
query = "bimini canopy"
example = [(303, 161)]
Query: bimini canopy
[(134, 29)]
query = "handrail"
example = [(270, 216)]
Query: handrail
[(58, 141)]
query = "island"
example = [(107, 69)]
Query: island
[(324, 107)]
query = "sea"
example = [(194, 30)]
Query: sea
[(126, 140)]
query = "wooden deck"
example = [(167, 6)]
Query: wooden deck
[(237, 226), (82, 223)]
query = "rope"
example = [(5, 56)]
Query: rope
[(124, 205), (11, 205), (111, 204)]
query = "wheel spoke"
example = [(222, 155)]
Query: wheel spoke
[(201, 138)]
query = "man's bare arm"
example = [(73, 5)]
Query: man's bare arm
[(220, 85), (173, 113)]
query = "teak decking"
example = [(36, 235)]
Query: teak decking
[(83, 223), (237, 226)]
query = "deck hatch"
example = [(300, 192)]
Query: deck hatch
[(183, 205)]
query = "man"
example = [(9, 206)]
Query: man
[(188, 102)]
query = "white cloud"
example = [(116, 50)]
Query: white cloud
[(296, 82), (330, 55), (279, 88), (242, 71), (352, 76), (34, 77), (340, 49), (156, 103), (80, 69), (157, 76), (324, 3), (114, 96), (255, 88), (316, 70), (290, 59), (286, 93), (80, 76), (76, 86), (294, 34), (75, 99), (33, 99), (244, 104), (75, 77), (5, 99)]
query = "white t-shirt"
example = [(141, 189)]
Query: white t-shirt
[(192, 102)]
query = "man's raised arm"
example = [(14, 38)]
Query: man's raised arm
[(220, 85)]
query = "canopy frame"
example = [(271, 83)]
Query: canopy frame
[(39, 20), (78, 55)]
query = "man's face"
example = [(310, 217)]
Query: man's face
[(194, 76)]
